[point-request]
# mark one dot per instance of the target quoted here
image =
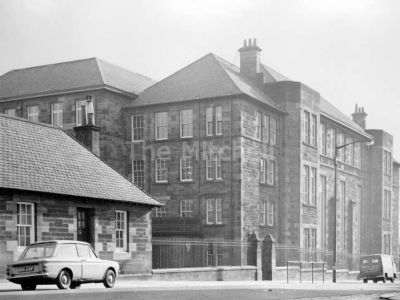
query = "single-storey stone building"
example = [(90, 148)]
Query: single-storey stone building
[(51, 187)]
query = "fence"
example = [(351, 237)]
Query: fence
[(187, 253), (344, 260)]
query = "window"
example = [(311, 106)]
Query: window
[(57, 114), (306, 129), (357, 155), (348, 151), (213, 166), (266, 128), (25, 224), (218, 120), (67, 250), (84, 251), (137, 127), (310, 238), (306, 184), (209, 121), (120, 230), (186, 208), (33, 113), (339, 142), (386, 243), (138, 173), (323, 197), (271, 172), (210, 254), (323, 139), (313, 186), (262, 213), (387, 204), (160, 212), (270, 213), (161, 169), (258, 126), (263, 170), (80, 118), (273, 132), (314, 130), (387, 163), (214, 120), (186, 118), (330, 142), (10, 112), (214, 211), (186, 166), (161, 125)]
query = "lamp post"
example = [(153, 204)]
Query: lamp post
[(337, 148)]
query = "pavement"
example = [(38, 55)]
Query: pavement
[(373, 290)]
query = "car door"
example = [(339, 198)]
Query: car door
[(91, 266)]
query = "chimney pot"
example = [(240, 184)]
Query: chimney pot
[(244, 43), (249, 42), (255, 42)]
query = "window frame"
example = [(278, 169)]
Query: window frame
[(161, 128), (137, 131), (182, 162), (218, 120), (78, 111), (273, 135), (209, 121), (314, 130), (186, 208), (271, 169), (161, 161), (32, 237), (270, 214), (306, 128), (186, 119), (59, 112), (32, 116), (7, 110), (124, 230), (306, 184), (263, 170), (140, 174), (214, 211), (258, 126)]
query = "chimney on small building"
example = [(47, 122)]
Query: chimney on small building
[(359, 116), (250, 59), (88, 133)]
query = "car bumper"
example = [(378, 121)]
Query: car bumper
[(34, 278)]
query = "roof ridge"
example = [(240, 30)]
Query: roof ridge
[(176, 72), (31, 122), (99, 61), (217, 59), (100, 70), (53, 64)]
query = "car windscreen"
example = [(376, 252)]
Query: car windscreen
[(38, 251)]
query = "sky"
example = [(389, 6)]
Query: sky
[(347, 50)]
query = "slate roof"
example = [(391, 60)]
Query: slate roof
[(42, 158), (210, 76), (70, 76)]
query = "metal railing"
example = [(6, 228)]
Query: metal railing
[(187, 253)]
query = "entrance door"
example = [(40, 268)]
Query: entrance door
[(83, 227)]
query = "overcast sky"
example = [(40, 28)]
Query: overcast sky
[(347, 50)]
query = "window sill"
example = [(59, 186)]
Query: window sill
[(215, 225), (186, 181), (310, 146), (267, 184), (214, 180), (267, 226), (309, 205), (161, 182)]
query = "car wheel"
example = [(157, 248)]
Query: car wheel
[(75, 285), (392, 279), (28, 286), (365, 280), (375, 281), (63, 280), (383, 279), (109, 279)]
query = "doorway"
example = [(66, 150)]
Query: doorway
[(84, 225)]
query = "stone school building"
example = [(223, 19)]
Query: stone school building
[(250, 152), (51, 187)]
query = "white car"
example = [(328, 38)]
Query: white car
[(67, 264)]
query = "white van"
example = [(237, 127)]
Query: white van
[(377, 267)]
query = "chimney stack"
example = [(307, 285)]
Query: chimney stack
[(250, 59), (88, 134), (359, 116)]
